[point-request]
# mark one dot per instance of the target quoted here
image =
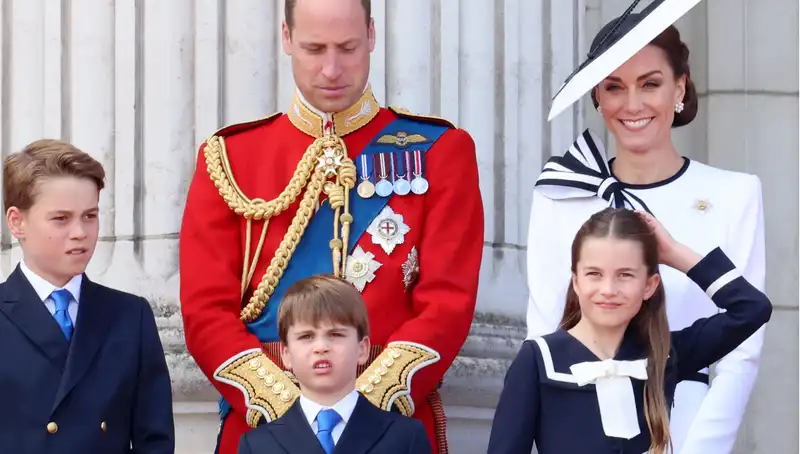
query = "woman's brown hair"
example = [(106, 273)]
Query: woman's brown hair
[(650, 324)]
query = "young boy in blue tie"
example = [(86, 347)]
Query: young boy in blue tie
[(323, 328), (82, 369)]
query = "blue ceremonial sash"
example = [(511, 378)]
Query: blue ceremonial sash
[(312, 255)]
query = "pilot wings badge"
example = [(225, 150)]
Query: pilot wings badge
[(402, 139)]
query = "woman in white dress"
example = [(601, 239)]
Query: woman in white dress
[(702, 206)]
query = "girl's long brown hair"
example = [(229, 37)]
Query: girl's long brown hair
[(651, 321)]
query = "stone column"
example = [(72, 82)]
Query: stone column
[(512, 57), (251, 52), (753, 127)]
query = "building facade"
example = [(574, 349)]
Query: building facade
[(141, 83)]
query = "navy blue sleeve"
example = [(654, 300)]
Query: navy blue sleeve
[(515, 418), (244, 445), (746, 309), (153, 429), (419, 439)]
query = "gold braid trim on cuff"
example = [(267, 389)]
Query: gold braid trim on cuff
[(387, 380), (268, 391), (325, 166)]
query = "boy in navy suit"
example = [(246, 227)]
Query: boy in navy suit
[(323, 328), (82, 369)]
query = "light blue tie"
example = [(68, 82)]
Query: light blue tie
[(62, 298), (326, 421)]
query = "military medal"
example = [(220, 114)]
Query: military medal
[(419, 184), (365, 189), (401, 185), (361, 268), (411, 268), (388, 230), (384, 187)]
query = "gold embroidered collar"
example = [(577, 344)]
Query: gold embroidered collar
[(312, 121)]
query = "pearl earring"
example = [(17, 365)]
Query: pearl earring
[(679, 107), (600, 110)]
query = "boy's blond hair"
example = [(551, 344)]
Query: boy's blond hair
[(42, 159), (322, 298)]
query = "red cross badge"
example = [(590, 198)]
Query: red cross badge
[(388, 230)]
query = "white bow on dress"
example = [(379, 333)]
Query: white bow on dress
[(612, 380)]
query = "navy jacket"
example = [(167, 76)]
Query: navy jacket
[(107, 391), (543, 402), (370, 430)]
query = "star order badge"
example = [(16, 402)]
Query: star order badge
[(411, 268), (388, 230), (329, 161), (361, 268)]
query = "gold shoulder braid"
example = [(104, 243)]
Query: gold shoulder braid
[(330, 155), (334, 173)]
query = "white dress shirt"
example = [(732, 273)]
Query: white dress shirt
[(344, 407), (44, 288)]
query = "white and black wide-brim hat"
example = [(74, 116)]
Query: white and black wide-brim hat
[(616, 43)]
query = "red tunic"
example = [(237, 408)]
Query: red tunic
[(445, 226)]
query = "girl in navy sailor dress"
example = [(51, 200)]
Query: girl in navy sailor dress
[(604, 382)]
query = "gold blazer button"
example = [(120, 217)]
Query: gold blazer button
[(52, 427)]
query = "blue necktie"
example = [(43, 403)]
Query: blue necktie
[(62, 298), (326, 421)]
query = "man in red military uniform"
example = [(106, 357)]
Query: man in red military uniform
[(383, 198)]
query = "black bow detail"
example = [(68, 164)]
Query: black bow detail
[(583, 172)]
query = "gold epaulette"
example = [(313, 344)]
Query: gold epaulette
[(387, 380), (227, 131), (405, 113), (268, 391), (325, 156), (218, 167)]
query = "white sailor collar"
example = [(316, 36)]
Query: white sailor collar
[(568, 363), (559, 351)]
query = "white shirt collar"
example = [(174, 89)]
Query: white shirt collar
[(344, 407), (44, 288)]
